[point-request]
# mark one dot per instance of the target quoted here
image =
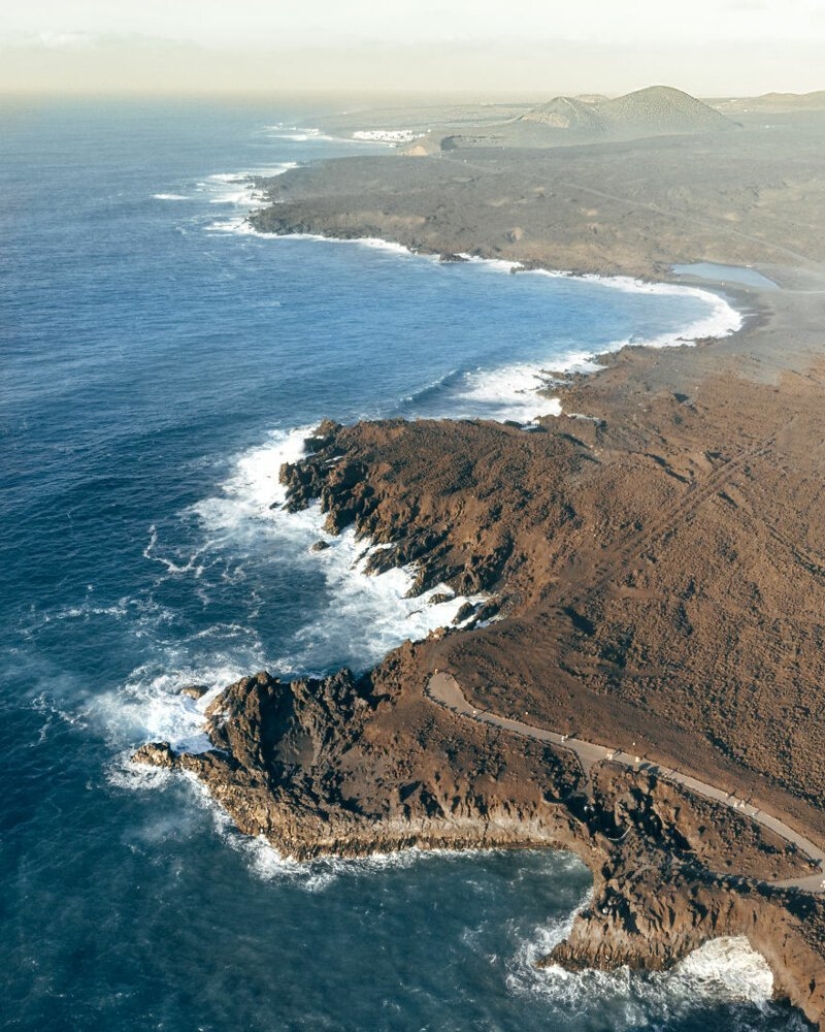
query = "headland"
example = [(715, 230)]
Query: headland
[(653, 559)]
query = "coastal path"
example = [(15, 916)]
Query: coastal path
[(444, 690)]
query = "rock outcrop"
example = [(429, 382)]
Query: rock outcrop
[(352, 766)]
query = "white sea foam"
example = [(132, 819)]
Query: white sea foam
[(238, 226), (170, 197), (136, 777), (300, 134), (239, 188), (725, 970), (304, 134), (743, 973), (191, 566), (87, 611), (372, 610), (269, 865), (360, 617), (150, 707), (374, 243), (508, 393), (501, 264), (236, 189), (722, 319), (378, 244), (262, 858)]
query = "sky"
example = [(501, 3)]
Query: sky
[(712, 47)]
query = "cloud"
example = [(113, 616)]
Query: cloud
[(311, 23), (66, 40)]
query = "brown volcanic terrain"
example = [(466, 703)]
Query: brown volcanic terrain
[(753, 196), (658, 569), (647, 560)]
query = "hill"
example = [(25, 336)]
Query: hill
[(654, 111), (776, 103), (568, 113), (660, 111)]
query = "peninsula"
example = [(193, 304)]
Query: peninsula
[(645, 684)]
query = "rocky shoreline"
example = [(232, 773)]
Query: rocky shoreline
[(354, 765), (283, 768), (656, 576)]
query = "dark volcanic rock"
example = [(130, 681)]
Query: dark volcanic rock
[(156, 754), (653, 920), (195, 691), (466, 502), (351, 766), (289, 763)]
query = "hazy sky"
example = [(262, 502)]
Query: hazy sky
[(759, 43)]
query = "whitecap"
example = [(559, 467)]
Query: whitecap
[(124, 774), (497, 264), (363, 617), (172, 567), (268, 864), (722, 320), (374, 243), (238, 226)]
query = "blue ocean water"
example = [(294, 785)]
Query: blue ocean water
[(156, 362)]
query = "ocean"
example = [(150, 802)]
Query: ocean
[(158, 362)]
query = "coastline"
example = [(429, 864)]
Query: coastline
[(632, 373), (736, 310)]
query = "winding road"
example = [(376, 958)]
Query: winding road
[(444, 690)]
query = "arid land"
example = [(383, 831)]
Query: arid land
[(657, 569)]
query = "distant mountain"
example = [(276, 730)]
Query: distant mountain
[(776, 102), (662, 110), (568, 113), (655, 111)]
